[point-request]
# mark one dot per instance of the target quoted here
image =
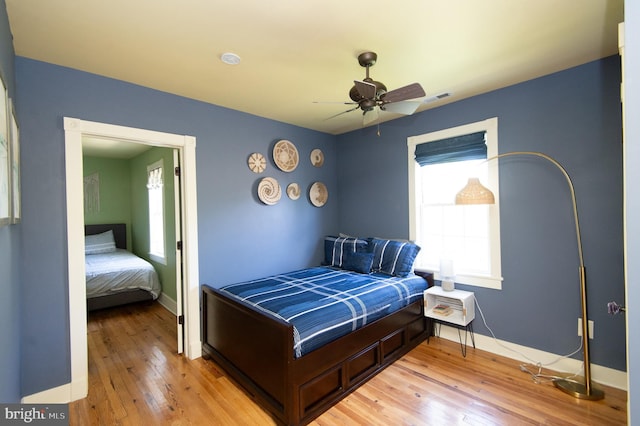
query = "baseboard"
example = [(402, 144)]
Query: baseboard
[(195, 349), (57, 395), (599, 374), (170, 304)]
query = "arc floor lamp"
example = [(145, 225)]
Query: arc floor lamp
[(475, 193)]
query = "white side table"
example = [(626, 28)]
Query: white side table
[(460, 314)]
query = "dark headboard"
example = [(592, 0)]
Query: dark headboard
[(119, 232)]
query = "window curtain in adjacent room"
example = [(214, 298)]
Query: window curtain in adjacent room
[(155, 179)]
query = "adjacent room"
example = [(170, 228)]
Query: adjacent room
[(347, 213)]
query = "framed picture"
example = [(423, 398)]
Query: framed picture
[(5, 212), (14, 164)]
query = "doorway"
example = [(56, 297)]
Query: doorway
[(75, 130), (117, 190)]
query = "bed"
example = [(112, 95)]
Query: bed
[(115, 276), (297, 358)]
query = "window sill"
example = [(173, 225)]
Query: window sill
[(483, 281), (494, 283), (158, 259)]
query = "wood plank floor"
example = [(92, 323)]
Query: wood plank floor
[(136, 378)]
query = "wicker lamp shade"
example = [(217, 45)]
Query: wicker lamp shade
[(475, 193)]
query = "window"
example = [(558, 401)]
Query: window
[(155, 188), (469, 235)]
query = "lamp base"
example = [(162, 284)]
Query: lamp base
[(448, 285), (578, 390)]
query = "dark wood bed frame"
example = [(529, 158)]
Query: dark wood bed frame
[(122, 298), (257, 351)]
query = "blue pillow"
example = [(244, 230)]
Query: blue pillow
[(393, 257), (358, 262), (99, 243), (335, 249)]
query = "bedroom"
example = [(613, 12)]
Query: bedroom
[(228, 208), (113, 181)]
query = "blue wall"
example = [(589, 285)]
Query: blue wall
[(9, 253), (574, 116), (240, 238)]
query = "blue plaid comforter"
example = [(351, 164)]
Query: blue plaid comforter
[(325, 303)]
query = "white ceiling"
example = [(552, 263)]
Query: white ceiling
[(295, 52), (111, 148)]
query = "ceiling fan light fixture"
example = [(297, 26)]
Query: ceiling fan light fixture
[(367, 104), (230, 58)]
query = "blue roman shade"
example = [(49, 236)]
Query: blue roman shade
[(459, 148)]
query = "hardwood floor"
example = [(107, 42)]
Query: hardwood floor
[(136, 378)]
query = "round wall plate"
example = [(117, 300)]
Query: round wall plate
[(293, 191), (318, 194), (269, 191), (257, 163), (285, 155), (317, 157)]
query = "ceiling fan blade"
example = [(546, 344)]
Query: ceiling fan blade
[(369, 117), (366, 90), (411, 91), (402, 107), (343, 112)]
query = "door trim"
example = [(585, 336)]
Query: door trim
[(178, 214), (74, 130)]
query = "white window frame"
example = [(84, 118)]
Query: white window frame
[(490, 127), (155, 256)]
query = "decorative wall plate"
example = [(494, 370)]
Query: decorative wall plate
[(318, 194), (269, 191), (317, 157), (285, 155), (293, 191), (257, 162)]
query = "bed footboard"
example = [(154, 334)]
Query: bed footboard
[(257, 351), (252, 347)]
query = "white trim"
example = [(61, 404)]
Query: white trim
[(191, 282), (603, 375), (74, 130), (494, 283), (158, 259), (177, 223), (168, 303), (57, 395), (490, 126), (79, 386)]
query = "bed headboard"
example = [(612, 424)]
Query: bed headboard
[(119, 232)]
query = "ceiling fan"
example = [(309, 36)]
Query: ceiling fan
[(370, 95)]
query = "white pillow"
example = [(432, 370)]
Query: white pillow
[(99, 243)]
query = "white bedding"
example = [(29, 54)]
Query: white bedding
[(118, 271)]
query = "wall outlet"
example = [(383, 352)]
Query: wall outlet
[(590, 324)]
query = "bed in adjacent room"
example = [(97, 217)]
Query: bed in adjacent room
[(299, 342), (115, 276)]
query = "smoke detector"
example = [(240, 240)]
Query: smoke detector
[(230, 58)]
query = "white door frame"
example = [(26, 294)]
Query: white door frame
[(74, 130), (177, 214)]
